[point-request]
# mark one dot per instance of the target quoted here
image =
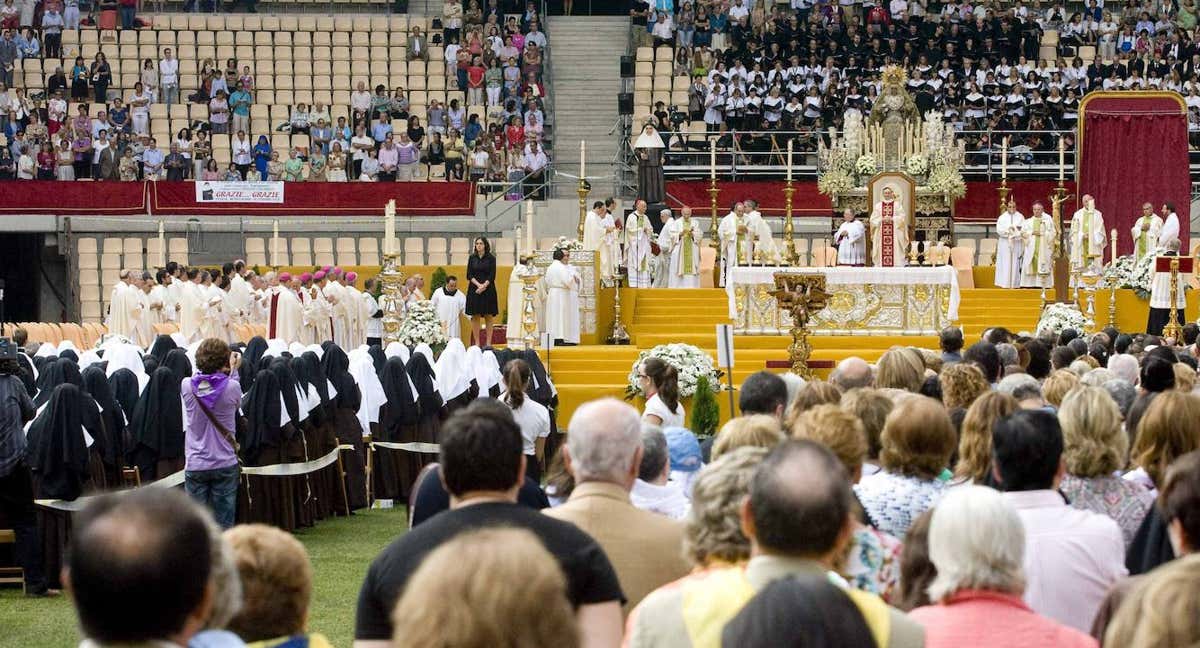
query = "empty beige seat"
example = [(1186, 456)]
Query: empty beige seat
[(345, 244), (255, 245), (90, 311), (323, 258), (256, 258), (90, 261), (322, 245), (414, 257), (414, 244), (369, 244), (86, 246), (460, 245), (301, 244), (346, 258), (987, 252), (459, 258), (110, 262), (89, 277), (438, 258), (369, 258), (302, 258), (113, 245), (436, 244)]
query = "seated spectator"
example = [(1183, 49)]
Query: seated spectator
[(139, 566), (975, 438), (276, 581), (1164, 433), (977, 544), (462, 589), (653, 491), (1072, 556)]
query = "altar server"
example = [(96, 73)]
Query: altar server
[(683, 238), (1037, 241), (1170, 227), (1088, 237), (157, 299), (562, 300), (850, 240), (600, 234), (1009, 247), (1160, 295), (1146, 230), (889, 232), (451, 304), (638, 235)]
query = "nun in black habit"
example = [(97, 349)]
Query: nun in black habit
[(395, 470), (265, 499), (429, 403), (157, 428), (178, 362), (112, 446), (125, 390), (251, 361), (335, 364), (61, 371), (330, 498), (295, 448), (163, 345)]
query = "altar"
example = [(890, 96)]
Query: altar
[(862, 301)]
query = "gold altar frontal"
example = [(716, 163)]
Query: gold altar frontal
[(862, 301)]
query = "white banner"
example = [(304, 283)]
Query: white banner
[(239, 192)]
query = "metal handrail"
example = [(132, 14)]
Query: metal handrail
[(502, 195)]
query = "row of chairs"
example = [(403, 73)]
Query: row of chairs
[(83, 336), (349, 251)]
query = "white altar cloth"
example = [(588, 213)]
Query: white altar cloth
[(911, 301)]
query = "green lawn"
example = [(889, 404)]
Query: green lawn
[(340, 549)]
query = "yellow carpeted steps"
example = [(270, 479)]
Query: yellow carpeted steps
[(658, 316)]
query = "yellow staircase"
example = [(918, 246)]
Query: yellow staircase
[(660, 316)]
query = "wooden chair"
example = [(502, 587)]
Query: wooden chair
[(11, 575)]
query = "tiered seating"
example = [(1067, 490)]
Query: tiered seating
[(366, 251), (653, 81), (101, 261)]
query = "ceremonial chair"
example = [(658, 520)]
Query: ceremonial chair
[(460, 258), (802, 258), (824, 256), (708, 262), (960, 258), (987, 252)]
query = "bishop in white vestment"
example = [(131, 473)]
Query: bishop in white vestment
[(1009, 247), (638, 235), (850, 240), (562, 300), (124, 309), (600, 234), (736, 245), (1145, 232), (1088, 237), (1037, 241), (287, 313), (889, 232), (450, 304), (683, 236)]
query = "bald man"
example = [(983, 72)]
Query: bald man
[(852, 373)]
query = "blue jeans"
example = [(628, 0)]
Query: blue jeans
[(127, 16), (216, 489)]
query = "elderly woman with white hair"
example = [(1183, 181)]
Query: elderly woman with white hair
[(977, 544), (1125, 367)]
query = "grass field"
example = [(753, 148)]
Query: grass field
[(340, 550)]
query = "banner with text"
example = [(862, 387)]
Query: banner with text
[(239, 192)]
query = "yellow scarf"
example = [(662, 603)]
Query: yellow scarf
[(1141, 241), (1037, 243)]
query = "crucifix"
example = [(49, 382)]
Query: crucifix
[(801, 295)]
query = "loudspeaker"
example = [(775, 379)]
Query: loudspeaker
[(625, 103), (627, 67)]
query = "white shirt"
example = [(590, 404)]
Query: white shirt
[(168, 72), (658, 408), (1072, 557), (667, 499), (534, 420), (241, 151)]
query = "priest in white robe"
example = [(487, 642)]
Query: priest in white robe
[(600, 234), (735, 241), (1146, 230), (639, 233), (124, 309), (287, 313), (317, 312), (1088, 237), (371, 314), (157, 301), (144, 331), (355, 332), (450, 304), (662, 260), (1009, 247), (762, 239), (1038, 235), (516, 304), (562, 300), (1170, 227), (683, 238), (889, 232), (1160, 295), (851, 240), (191, 306), (240, 298), (335, 294), (215, 319)]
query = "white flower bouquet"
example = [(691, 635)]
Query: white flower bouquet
[(945, 180), (421, 325), (1131, 274), (567, 245), (1058, 317), (866, 165), (689, 361), (835, 182), (916, 164)]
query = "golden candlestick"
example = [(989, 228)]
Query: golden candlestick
[(1172, 329), (1112, 285), (713, 192), (801, 295), (618, 334), (789, 241), (528, 313), (391, 299), (1003, 190), (583, 190)]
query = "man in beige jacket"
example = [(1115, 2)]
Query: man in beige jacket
[(604, 452)]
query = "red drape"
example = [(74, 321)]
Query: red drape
[(1134, 149), (179, 198), (72, 198), (981, 204)]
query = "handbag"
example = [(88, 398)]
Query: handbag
[(225, 433)]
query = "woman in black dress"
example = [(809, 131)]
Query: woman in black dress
[(481, 298)]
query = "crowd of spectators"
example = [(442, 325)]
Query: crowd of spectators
[(80, 126), (985, 66)]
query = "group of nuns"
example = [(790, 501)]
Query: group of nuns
[(103, 413)]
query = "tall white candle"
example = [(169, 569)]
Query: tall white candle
[(529, 226), (275, 242), (582, 158), (162, 245), (712, 158), (1004, 158), (789, 161), (1062, 158), (520, 244), (389, 228)]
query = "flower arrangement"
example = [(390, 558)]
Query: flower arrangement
[(689, 361), (866, 165), (835, 182), (916, 164), (1058, 317), (421, 325), (1130, 273), (946, 180), (567, 245)]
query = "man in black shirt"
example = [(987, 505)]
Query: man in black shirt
[(483, 466)]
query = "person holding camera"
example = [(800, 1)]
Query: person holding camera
[(211, 398), (16, 481)]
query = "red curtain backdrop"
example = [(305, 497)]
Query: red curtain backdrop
[(981, 204), (72, 198), (179, 198), (332, 198), (1134, 149)]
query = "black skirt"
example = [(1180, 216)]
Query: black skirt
[(483, 304)]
